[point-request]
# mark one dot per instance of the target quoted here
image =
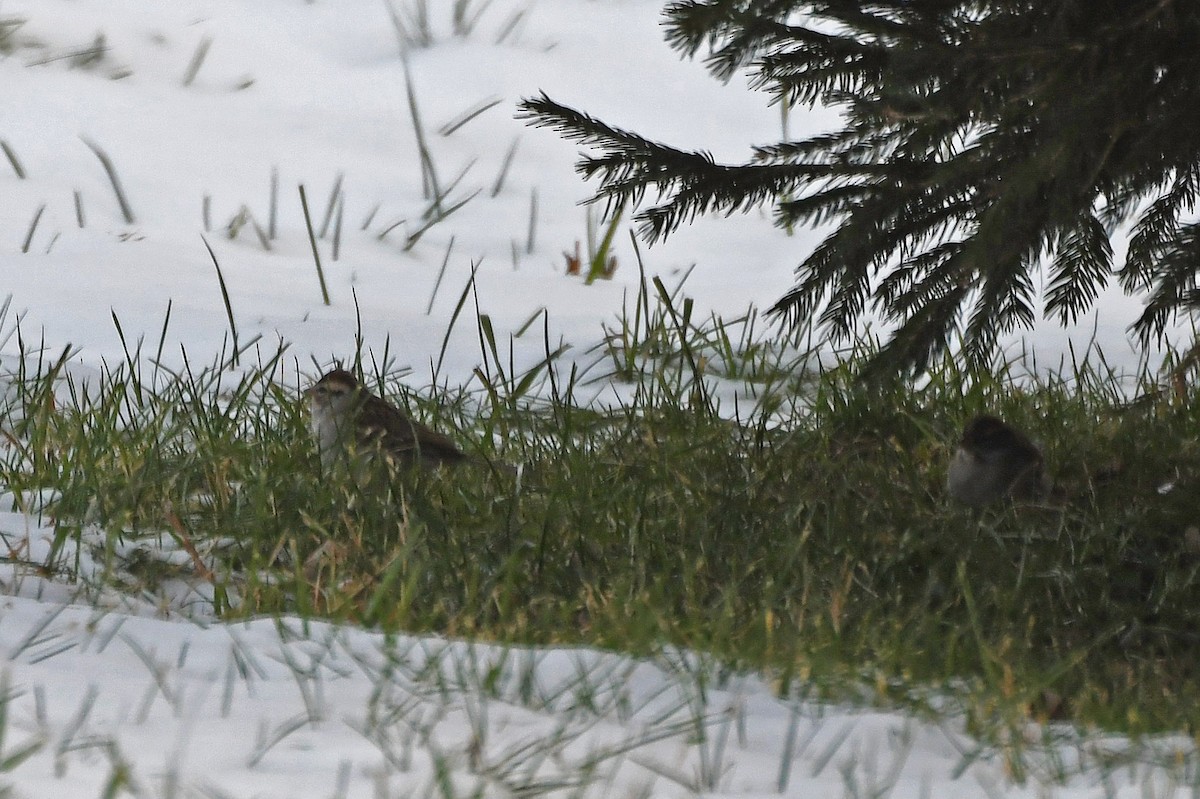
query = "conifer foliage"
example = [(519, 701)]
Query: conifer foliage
[(984, 144)]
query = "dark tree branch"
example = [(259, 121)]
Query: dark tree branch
[(982, 141)]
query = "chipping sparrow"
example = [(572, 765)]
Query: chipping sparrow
[(994, 460), (347, 419)]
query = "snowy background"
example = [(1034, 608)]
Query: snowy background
[(102, 692)]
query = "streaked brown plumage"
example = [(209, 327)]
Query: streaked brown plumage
[(347, 419)]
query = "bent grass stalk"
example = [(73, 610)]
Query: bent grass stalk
[(312, 240), (197, 61), (37, 216), (225, 301), (15, 162), (111, 171)]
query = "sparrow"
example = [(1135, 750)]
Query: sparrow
[(994, 460), (347, 419)]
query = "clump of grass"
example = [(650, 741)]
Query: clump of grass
[(245, 218), (416, 26), (806, 532), (597, 262), (9, 25)]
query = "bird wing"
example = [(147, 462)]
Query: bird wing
[(406, 438)]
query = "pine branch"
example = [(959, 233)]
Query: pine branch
[(627, 153), (981, 142), (922, 279), (734, 33), (1175, 279), (1158, 230), (915, 342), (630, 166), (1080, 270), (1005, 302)]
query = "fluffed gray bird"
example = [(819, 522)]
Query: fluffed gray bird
[(994, 460)]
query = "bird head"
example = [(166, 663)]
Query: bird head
[(335, 391)]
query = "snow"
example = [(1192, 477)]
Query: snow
[(153, 696), (284, 708)]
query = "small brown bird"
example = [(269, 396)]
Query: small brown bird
[(347, 419), (994, 460)]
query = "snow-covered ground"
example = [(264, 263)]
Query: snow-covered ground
[(101, 691), (280, 708), (328, 100)]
